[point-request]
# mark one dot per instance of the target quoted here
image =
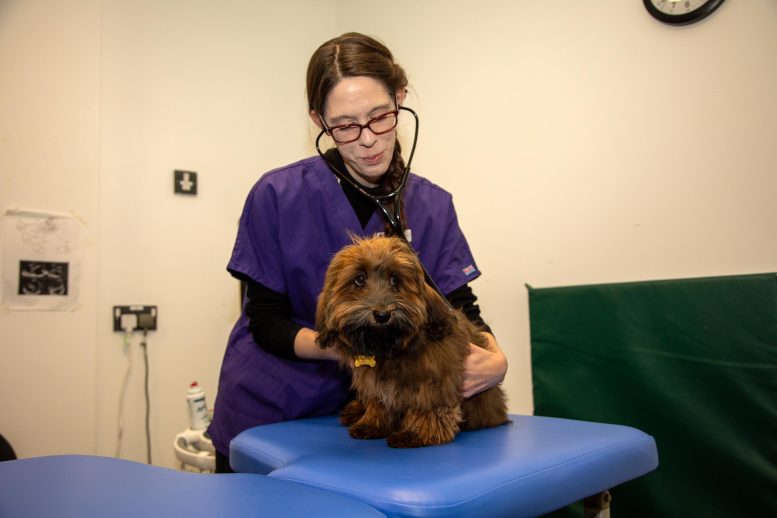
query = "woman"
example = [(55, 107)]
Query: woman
[(298, 216)]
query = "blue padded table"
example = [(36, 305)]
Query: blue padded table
[(528, 467), (89, 486)]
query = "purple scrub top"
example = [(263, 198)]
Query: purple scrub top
[(294, 220)]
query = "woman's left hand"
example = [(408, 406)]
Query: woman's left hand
[(484, 367)]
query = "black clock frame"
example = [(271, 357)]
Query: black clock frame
[(684, 18)]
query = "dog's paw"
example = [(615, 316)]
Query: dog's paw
[(404, 440), (366, 431), (351, 413)]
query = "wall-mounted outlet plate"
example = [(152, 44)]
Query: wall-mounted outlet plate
[(146, 317)]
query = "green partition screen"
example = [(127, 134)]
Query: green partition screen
[(692, 363)]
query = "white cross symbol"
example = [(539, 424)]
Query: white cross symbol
[(186, 183)]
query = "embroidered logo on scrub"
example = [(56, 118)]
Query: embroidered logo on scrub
[(469, 270)]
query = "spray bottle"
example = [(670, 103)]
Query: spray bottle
[(198, 409)]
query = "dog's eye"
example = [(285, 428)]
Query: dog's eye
[(360, 280), (394, 279)]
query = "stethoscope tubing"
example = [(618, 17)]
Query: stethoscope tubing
[(394, 220)]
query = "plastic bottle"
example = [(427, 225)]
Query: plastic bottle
[(198, 409)]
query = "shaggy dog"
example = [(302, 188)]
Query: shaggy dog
[(406, 347)]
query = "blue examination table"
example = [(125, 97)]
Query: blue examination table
[(529, 467), (89, 487)]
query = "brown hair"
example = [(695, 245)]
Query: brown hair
[(352, 55)]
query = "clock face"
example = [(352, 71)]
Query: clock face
[(681, 12)]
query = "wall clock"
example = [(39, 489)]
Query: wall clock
[(681, 12)]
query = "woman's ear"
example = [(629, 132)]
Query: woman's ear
[(316, 118), (401, 97)]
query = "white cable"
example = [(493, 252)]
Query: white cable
[(148, 399), (127, 335)]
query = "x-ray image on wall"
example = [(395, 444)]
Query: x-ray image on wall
[(43, 278), (41, 260)]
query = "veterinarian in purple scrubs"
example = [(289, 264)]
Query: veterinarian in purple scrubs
[(296, 218)]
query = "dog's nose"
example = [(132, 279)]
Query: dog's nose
[(381, 316)]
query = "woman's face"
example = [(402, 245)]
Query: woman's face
[(357, 100)]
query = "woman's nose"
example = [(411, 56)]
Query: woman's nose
[(367, 138)]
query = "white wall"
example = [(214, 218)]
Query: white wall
[(49, 127), (583, 142), (211, 87)]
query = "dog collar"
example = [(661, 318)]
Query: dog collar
[(364, 360)]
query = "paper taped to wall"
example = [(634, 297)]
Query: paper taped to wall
[(41, 260)]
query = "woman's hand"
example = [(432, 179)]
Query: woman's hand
[(484, 368), (305, 346)]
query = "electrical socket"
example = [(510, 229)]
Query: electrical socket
[(145, 317)]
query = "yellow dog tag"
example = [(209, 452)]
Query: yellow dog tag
[(364, 360)]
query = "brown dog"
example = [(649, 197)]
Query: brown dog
[(406, 346)]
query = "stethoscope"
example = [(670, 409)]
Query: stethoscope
[(394, 220)]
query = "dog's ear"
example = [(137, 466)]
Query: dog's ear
[(326, 336), (440, 318)]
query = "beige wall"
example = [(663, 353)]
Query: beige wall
[(583, 142), (212, 87), (49, 159)]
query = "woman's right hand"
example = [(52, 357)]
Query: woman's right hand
[(305, 346)]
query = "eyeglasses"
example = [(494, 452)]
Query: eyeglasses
[(379, 125)]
